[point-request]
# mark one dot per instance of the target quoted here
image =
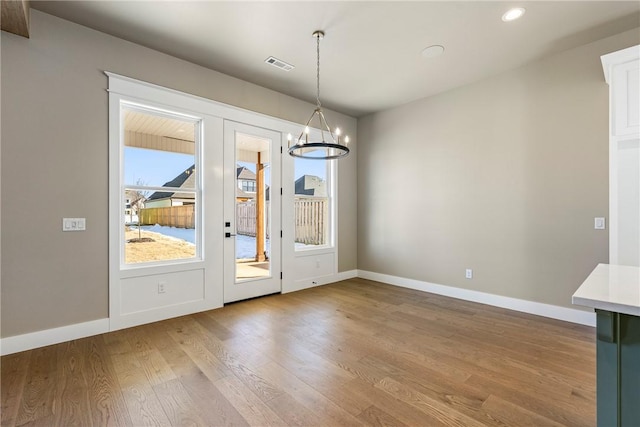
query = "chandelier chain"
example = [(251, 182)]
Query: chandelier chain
[(318, 70)]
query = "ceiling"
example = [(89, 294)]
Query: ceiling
[(371, 56), (151, 124)]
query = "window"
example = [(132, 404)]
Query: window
[(313, 203), (249, 186), (161, 186)]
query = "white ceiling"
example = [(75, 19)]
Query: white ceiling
[(371, 56), (150, 124)]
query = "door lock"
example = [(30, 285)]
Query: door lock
[(227, 235)]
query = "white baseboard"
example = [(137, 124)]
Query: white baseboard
[(312, 282), (344, 275), (531, 307), (32, 340)]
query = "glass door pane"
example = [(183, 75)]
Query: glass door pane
[(252, 211), (253, 228)]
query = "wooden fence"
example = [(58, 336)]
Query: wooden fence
[(246, 218), (173, 216), (310, 213), (311, 218)]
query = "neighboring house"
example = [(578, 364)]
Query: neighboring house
[(127, 206), (311, 185), (161, 199), (246, 180), (132, 204), (246, 189)]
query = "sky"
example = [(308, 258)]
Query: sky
[(310, 167), (155, 168)]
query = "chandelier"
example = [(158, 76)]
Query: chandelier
[(330, 146)]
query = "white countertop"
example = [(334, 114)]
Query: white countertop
[(611, 287)]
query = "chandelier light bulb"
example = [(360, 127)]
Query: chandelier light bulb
[(289, 137), (346, 139), (338, 131)]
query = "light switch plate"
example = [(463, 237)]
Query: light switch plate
[(74, 224), (599, 223)]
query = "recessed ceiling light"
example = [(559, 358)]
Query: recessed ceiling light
[(513, 14), (433, 51)]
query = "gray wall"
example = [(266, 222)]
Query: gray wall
[(54, 163), (504, 176)]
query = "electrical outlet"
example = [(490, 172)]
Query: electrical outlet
[(468, 273), (162, 287)]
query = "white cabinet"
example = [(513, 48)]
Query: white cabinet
[(626, 98), (622, 73)]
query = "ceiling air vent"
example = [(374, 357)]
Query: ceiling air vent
[(279, 63)]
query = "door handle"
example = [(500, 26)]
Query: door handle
[(227, 235)]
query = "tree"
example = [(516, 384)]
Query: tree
[(136, 201)]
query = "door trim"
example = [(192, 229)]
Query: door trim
[(126, 88), (234, 289)]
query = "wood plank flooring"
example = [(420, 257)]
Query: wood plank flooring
[(352, 353)]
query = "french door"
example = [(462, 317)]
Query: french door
[(252, 211), (221, 182)]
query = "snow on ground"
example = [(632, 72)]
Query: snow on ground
[(188, 234), (245, 245)]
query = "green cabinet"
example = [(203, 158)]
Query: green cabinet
[(618, 369)]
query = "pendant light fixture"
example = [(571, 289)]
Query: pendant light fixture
[(330, 146)]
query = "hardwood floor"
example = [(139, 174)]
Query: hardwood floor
[(347, 354)]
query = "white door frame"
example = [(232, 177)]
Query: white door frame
[(213, 114), (235, 290)]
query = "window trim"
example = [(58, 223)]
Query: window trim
[(149, 107), (215, 114), (332, 172)]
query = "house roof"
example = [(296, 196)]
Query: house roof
[(185, 180), (244, 173), (241, 194), (310, 185)]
